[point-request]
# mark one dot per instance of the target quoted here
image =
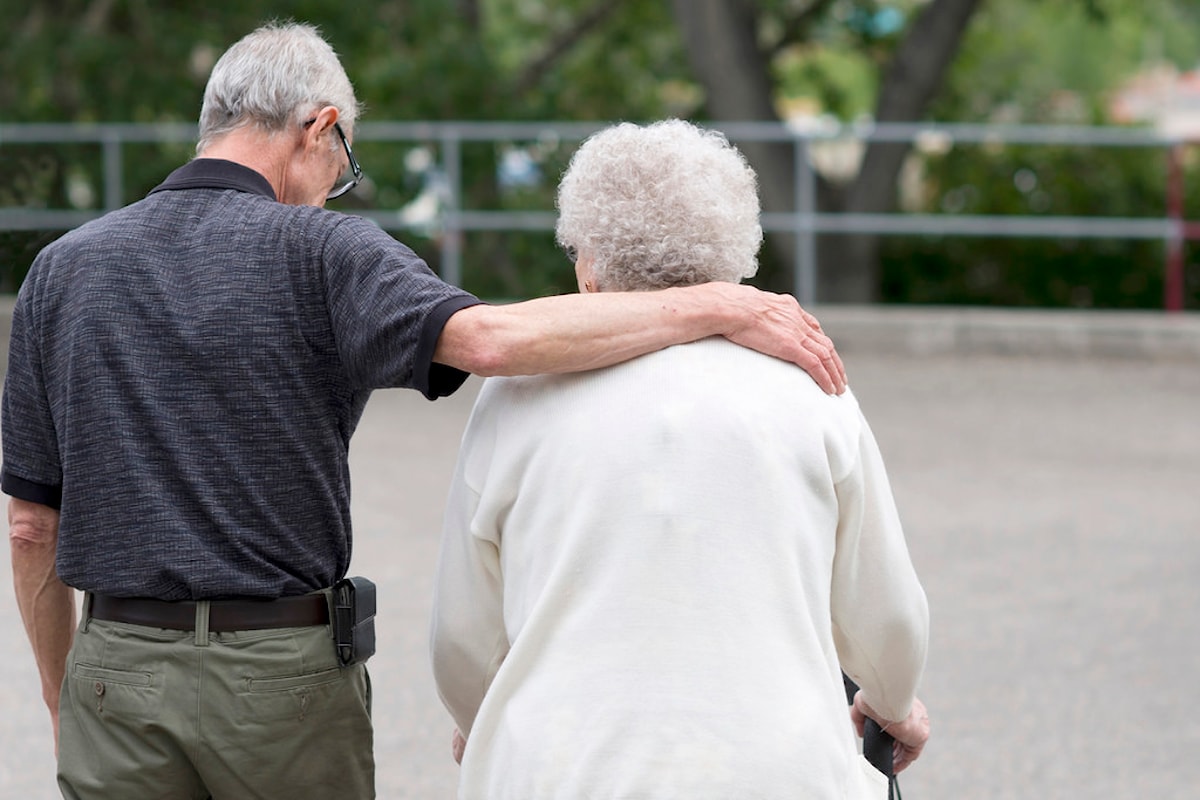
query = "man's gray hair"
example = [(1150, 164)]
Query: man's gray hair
[(668, 204), (271, 78)]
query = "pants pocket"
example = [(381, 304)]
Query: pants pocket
[(132, 694), (292, 696)]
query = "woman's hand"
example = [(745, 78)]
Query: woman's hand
[(457, 745), (910, 733)]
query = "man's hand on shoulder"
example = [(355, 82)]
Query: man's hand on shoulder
[(775, 324)]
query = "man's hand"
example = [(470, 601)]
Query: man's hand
[(910, 733), (775, 324)]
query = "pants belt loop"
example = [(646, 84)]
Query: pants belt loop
[(86, 611), (202, 609)]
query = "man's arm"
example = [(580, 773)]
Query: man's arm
[(47, 605), (573, 332)]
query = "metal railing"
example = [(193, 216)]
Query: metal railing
[(806, 222)]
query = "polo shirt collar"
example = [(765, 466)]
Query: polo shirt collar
[(216, 173)]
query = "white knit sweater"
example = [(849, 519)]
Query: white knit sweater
[(652, 576)]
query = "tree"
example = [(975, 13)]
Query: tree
[(595, 60), (121, 61), (1013, 67), (724, 40)]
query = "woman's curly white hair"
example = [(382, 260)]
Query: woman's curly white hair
[(666, 204)]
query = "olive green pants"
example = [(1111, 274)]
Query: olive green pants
[(152, 713)]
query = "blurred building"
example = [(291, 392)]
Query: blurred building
[(1161, 96)]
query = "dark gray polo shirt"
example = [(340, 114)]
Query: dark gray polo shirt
[(185, 375)]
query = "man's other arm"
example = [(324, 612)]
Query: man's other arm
[(47, 605)]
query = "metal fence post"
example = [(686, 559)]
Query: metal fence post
[(1173, 276), (804, 280), (451, 224), (114, 188)]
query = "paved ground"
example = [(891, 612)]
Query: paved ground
[(1047, 469)]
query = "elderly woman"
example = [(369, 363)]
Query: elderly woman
[(653, 574)]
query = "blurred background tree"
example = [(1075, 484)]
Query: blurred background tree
[(1059, 62), (708, 60)]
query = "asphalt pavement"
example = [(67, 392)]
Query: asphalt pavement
[(1047, 468)]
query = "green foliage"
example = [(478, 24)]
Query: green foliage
[(1022, 60), (1059, 181), (1042, 62), (832, 66), (76, 61), (837, 82), (1050, 62)]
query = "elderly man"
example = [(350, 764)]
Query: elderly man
[(184, 378)]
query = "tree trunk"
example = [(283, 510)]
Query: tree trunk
[(721, 40), (910, 83), (722, 44), (849, 265)]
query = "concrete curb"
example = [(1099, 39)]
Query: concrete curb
[(962, 331), (954, 330)]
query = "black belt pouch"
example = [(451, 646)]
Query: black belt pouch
[(353, 620)]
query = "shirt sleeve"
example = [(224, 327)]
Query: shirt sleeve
[(468, 639), (430, 378), (387, 309), (32, 468), (880, 613)]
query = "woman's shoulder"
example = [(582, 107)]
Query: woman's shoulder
[(714, 366), (717, 354)]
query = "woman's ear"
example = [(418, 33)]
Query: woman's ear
[(585, 275)]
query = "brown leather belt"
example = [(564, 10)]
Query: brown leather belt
[(223, 615)]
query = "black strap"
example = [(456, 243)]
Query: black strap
[(877, 744)]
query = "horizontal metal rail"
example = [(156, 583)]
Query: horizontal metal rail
[(964, 133), (806, 222), (979, 225), (966, 225)]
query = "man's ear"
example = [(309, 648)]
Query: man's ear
[(321, 126)]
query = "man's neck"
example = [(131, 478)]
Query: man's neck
[(254, 149)]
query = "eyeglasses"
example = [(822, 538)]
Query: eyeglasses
[(355, 169), (356, 173)]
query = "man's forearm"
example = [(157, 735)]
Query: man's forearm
[(46, 604), (569, 333)]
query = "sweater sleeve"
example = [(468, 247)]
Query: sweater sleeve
[(880, 613), (468, 640)]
